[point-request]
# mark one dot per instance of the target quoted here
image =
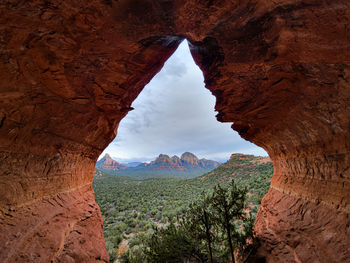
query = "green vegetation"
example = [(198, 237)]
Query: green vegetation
[(132, 209), (210, 231), (142, 173)]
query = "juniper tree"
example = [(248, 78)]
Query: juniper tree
[(199, 221), (173, 244), (228, 207)]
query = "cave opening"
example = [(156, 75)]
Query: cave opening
[(174, 119), (279, 71), (175, 113)]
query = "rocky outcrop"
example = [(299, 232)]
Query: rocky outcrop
[(163, 161), (70, 70), (208, 164), (108, 164), (176, 160), (188, 161), (189, 166), (240, 168)]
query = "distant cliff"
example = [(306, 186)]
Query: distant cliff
[(187, 161), (107, 164), (188, 165)]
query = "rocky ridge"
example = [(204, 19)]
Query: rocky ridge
[(187, 166), (187, 161)]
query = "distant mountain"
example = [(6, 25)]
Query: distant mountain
[(188, 161), (188, 166), (132, 164), (107, 164)]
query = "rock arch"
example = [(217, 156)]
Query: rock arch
[(280, 71)]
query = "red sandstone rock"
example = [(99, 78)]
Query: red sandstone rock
[(108, 164), (314, 231), (187, 161), (163, 161), (176, 160), (64, 228), (69, 71)]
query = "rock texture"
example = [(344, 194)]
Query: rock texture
[(64, 228), (69, 71), (294, 229)]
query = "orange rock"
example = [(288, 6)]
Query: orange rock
[(69, 72)]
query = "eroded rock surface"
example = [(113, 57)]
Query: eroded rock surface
[(69, 71), (64, 228), (293, 229)]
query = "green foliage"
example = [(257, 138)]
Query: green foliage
[(228, 206), (199, 222), (134, 255), (131, 207), (172, 245), (216, 217)]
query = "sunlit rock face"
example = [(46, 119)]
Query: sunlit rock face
[(70, 70)]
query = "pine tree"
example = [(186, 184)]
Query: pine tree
[(228, 207), (199, 221), (173, 244)]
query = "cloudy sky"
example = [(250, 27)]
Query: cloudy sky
[(175, 113)]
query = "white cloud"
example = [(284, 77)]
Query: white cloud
[(175, 113)]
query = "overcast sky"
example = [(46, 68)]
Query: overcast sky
[(173, 114)]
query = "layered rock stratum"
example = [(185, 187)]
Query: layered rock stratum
[(187, 161), (69, 71)]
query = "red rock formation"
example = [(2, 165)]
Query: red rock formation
[(176, 160), (65, 228), (69, 70), (108, 164), (209, 164), (163, 161), (188, 161), (310, 229)]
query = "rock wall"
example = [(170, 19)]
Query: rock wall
[(280, 70)]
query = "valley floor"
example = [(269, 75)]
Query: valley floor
[(133, 208)]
